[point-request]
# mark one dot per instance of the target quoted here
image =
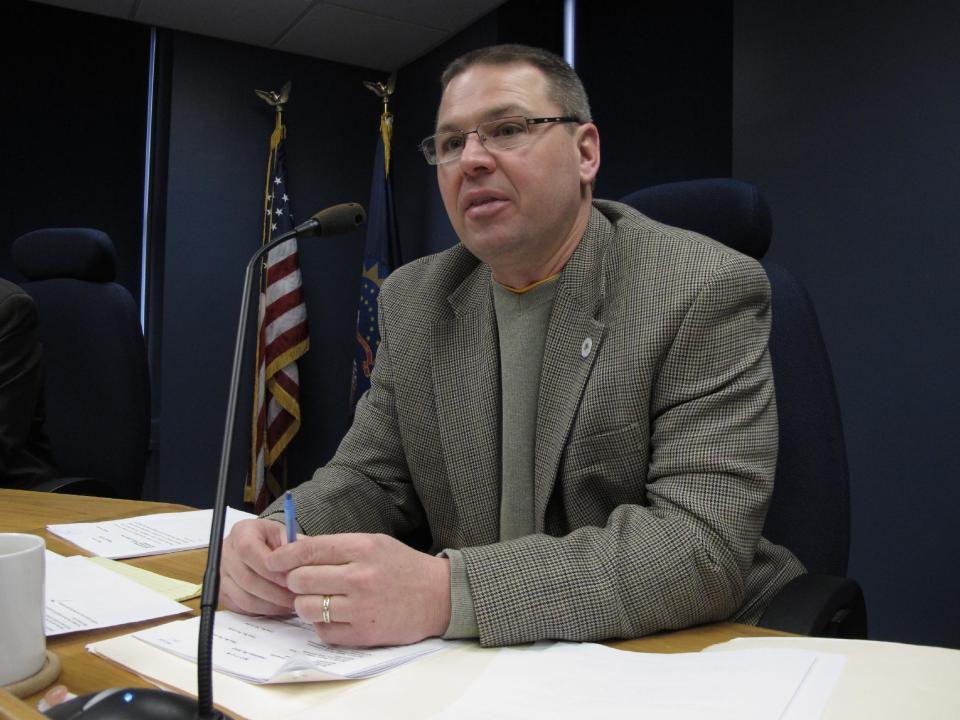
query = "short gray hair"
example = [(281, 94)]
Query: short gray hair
[(565, 87)]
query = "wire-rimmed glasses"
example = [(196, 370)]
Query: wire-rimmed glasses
[(501, 134)]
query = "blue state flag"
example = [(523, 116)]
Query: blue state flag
[(382, 254)]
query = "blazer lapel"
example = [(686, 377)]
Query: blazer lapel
[(573, 341), (466, 377)]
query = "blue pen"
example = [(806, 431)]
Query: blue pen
[(290, 516)]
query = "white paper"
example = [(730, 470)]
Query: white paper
[(879, 680), (813, 695), (815, 691), (272, 650), (146, 534), (81, 595), (571, 680)]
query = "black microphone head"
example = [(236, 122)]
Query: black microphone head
[(338, 219)]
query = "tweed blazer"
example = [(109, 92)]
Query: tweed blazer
[(655, 448)]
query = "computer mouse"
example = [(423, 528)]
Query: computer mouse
[(123, 703)]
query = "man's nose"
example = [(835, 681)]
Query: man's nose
[(475, 156)]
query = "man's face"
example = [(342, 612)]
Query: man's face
[(515, 208)]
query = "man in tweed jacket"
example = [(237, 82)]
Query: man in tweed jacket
[(576, 403)]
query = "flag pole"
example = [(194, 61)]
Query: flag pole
[(381, 253)]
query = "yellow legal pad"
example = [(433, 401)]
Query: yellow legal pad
[(172, 588)]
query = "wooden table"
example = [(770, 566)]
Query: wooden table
[(31, 512)]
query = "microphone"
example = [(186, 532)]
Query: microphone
[(161, 704), (335, 220)]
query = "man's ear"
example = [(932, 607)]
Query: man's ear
[(588, 145)]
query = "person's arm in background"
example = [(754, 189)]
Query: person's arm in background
[(21, 388)]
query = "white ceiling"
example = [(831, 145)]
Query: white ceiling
[(378, 34)]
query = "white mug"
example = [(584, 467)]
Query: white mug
[(23, 643)]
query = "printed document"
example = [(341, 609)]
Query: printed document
[(272, 650), (146, 534), (80, 595)]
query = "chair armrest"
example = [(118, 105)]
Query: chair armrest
[(818, 606), (76, 486)]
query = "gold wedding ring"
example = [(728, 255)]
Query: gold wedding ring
[(325, 608)]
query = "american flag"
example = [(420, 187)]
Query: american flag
[(281, 338)]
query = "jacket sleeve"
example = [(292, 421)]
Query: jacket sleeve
[(366, 486), (681, 557), (21, 375)]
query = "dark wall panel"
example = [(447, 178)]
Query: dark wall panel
[(218, 140), (658, 76), (846, 116), (74, 115)]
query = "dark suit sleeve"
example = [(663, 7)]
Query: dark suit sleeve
[(21, 380), (682, 557)]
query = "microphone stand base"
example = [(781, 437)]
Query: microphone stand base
[(124, 703)]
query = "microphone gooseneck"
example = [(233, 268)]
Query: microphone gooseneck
[(334, 220)]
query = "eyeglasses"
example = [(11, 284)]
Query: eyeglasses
[(500, 134)]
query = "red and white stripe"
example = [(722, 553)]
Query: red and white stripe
[(281, 339)]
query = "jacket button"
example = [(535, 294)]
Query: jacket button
[(585, 347)]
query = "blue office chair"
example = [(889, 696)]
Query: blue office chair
[(810, 509), (97, 383)]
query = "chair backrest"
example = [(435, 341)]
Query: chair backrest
[(810, 510), (97, 382)]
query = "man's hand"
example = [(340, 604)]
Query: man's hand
[(381, 591), (246, 585)]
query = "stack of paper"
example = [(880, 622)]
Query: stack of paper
[(571, 681), (271, 650), (568, 680), (846, 680), (867, 679), (81, 595), (146, 534)]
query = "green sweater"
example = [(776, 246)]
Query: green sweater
[(522, 320)]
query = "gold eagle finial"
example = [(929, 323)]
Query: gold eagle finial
[(383, 90), (276, 99)]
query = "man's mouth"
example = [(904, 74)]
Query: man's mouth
[(480, 205), (481, 201)]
